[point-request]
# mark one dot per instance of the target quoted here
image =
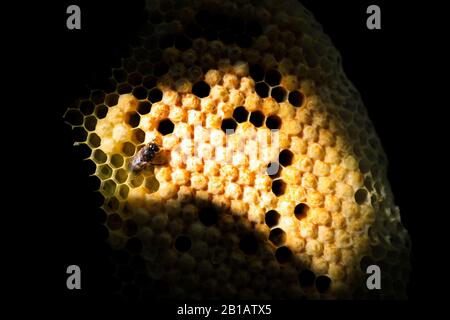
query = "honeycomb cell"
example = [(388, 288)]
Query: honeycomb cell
[(90, 123), (140, 92), (296, 98), (278, 93), (262, 89), (104, 172), (135, 78), (144, 107), (97, 97), (256, 71), (272, 77), (133, 119), (285, 157), (249, 244), (273, 122), (208, 215), (283, 254), (114, 221), (278, 187), (229, 126), (108, 188), (101, 111), (123, 88), (130, 228), (155, 95), (183, 243), (201, 89), (306, 278), (99, 156), (87, 107), (166, 126), (360, 196), (79, 134), (257, 118), (272, 218), (116, 160), (74, 117), (138, 136), (301, 210), (240, 114), (277, 236), (128, 149), (120, 176), (323, 283), (120, 75), (111, 99), (149, 82), (136, 181), (123, 191), (160, 69), (94, 140)]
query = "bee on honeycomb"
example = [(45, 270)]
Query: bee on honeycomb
[(274, 182)]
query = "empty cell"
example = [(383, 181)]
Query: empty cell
[(272, 218), (149, 82), (123, 88), (114, 221), (296, 98), (277, 236), (256, 71), (128, 149), (183, 243), (201, 89), (108, 188), (301, 210), (120, 175), (144, 107), (278, 93), (323, 284), (208, 215), (272, 78), (262, 89), (136, 181), (138, 136), (87, 107), (273, 122), (229, 125), (99, 156), (306, 278), (74, 117), (166, 126), (361, 196), (111, 99), (155, 95), (94, 140), (133, 119), (123, 191), (240, 114), (273, 170), (104, 172), (101, 111), (90, 122), (97, 96), (278, 187), (134, 78), (145, 68), (151, 184), (79, 134), (160, 69), (283, 254), (257, 118), (116, 160), (286, 157), (140, 92), (249, 244)]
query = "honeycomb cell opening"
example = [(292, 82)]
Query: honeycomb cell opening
[(296, 98), (155, 95), (114, 221), (285, 157), (166, 127), (256, 71), (249, 244), (257, 118), (283, 254), (272, 218), (273, 122), (278, 93), (306, 278), (144, 107), (140, 93), (228, 125), (323, 283), (272, 78), (101, 111), (262, 89), (278, 187), (273, 170), (277, 236), (361, 196), (301, 210), (133, 119), (183, 243), (240, 114), (116, 160), (201, 89)]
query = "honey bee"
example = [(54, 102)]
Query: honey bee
[(149, 154)]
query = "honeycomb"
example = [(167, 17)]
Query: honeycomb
[(273, 184)]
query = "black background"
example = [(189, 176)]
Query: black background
[(65, 227)]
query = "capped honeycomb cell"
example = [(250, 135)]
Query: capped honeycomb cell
[(273, 183)]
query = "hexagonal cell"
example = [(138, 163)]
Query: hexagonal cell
[(129, 64), (155, 95), (123, 88), (306, 278), (240, 114), (111, 99), (278, 187), (256, 71), (249, 243), (104, 172), (272, 218), (144, 107), (273, 77), (229, 125), (166, 126), (99, 156), (120, 75), (108, 188), (278, 93), (183, 243), (286, 157), (361, 196), (128, 149), (116, 160), (257, 118), (273, 122), (90, 122), (283, 254), (134, 78), (277, 236), (87, 107), (136, 181), (121, 175), (208, 215), (123, 191), (151, 184), (79, 134), (262, 89), (74, 117), (94, 140), (114, 221), (160, 69), (301, 210), (138, 136), (97, 96), (112, 204), (140, 92), (149, 82), (296, 98), (273, 170), (201, 89), (133, 119), (323, 283), (101, 111)]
